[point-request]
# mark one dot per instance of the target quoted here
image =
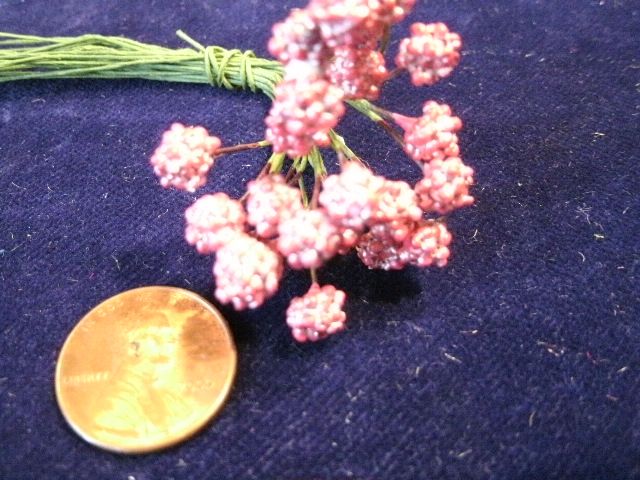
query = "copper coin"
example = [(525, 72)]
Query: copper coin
[(145, 369)]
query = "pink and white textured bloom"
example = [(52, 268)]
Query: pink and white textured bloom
[(430, 54), (381, 252), (305, 109), (317, 314), (346, 22), (433, 135), (270, 201), (394, 215), (349, 238), (428, 245), (395, 200), (184, 157), (445, 185), (212, 221), (395, 230), (349, 197), (390, 11), (247, 272), (308, 238), (298, 38), (359, 73)]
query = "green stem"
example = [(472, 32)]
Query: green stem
[(393, 133), (276, 162), (341, 148), (303, 192), (27, 57), (317, 162), (366, 108)]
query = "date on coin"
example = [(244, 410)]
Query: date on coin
[(145, 369)]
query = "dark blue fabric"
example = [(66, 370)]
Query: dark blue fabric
[(521, 360)]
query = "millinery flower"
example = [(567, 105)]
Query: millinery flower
[(298, 38), (330, 54), (430, 54), (184, 157), (212, 221), (381, 252), (359, 73), (433, 135), (304, 111), (428, 245), (308, 238), (349, 197), (346, 22), (317, 314), (395, 200), (247, 272), (445, 186), (270, 201)]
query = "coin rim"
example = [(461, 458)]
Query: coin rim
[(216, 406)]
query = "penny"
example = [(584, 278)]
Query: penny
[(145, 369)]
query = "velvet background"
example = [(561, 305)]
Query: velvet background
[(521, 360)]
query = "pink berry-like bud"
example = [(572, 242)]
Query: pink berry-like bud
[(212, 221), (433, 135), (381, 252), (396, 200), (308, 238), (305, 109), (390, 11), (358, 73), (247, 272), (184, 157), (349, 197), (298, 38), (395, 230), (349, 238), (428, 245), (445, 186), (317, 314), (430, 54), (345, 23), (270, 201)]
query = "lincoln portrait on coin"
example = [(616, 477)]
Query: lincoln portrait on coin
[(147, 397)]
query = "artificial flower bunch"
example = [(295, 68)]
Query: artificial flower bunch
[(332, 53)]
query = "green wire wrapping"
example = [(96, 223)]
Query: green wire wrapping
[(27, 57), (30, 57)]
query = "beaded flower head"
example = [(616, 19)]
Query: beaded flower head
[(332, 55)]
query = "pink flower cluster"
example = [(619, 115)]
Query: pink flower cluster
[(303, 113), (317, 314), (432, 141), (212, 221), (386, 217), (358, 73), (425, 244), (253, 239), (330, 50), (184, 157), (445, 186), (430, 54), (247, 272), (381, 218), (433, 135)]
